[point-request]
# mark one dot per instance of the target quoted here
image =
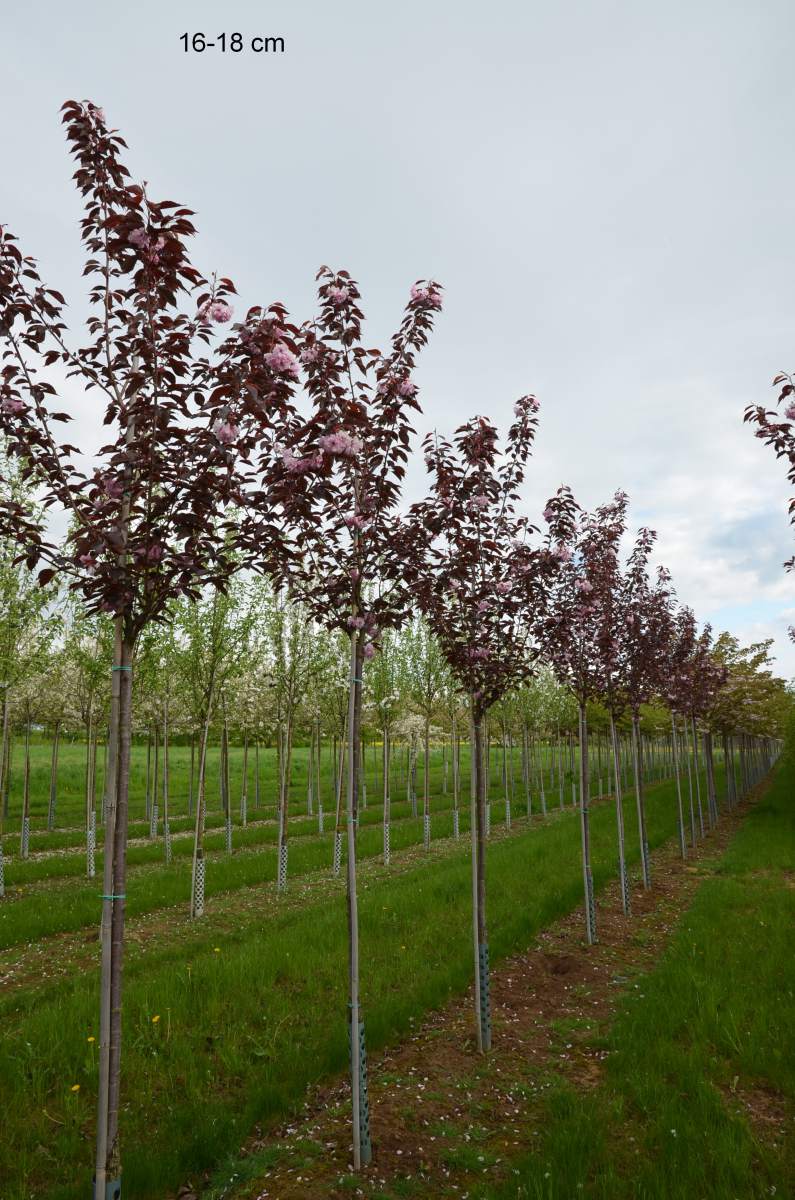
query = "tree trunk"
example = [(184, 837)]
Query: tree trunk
[(53, 798), (244, 783), (455, 754), (24, 842), (481, 772), (623, 878), (166, 826), (585, 828), (680, 813), (109, 804), (113, 1165), (361, 1131), (712, 798), (638, 771), (387, 834), (696, 773), (198, 879), (5, 751), (426, 786)]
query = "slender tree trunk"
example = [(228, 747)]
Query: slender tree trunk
[(166, 826), (426, 786), (585, 827), (154, 814), (455, 751), (638, 771), (110, 806), (5, 750), (361, 1132), (696, 773), (53, 799), (484, 1041), (712, 798), (623, 877), (679, 810), (387, 833), (192, 768), (473, 834), (117, 920), (198, 880), (690, 789), (90, 819), (339, 764), (244, 784), (24, 842), (281, 879)]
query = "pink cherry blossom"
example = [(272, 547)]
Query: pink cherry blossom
[(225, 431), (406, 387), (503, 588), (282, 359), (338, 295), (12, 405), (789, 411), (356, 622), (342, 444), (548, 514), (215, 310), (138, 238), (480, 501), (220, 312), (584, 585), (310, 355), (369, 650)]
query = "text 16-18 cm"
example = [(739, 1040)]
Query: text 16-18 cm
[(234, 42)]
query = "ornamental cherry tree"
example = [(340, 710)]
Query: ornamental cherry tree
[(580, 642), (675, 688), (645, 633), (704, 676), (334, 481), (482, 589), (147, 522)]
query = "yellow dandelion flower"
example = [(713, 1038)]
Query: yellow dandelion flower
[(217, 949), (75, 1087), (155, 1020), (91, 1039)]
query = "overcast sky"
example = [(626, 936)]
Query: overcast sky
[(604, 188)]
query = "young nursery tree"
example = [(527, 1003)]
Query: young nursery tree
[(336, 477), (581, 643), (482, 589), (143, 523), (645, 626)]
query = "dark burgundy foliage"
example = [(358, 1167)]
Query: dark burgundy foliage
[(475, 576), (147, 523), (582, 633), (335, 477)]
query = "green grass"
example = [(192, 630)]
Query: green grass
[(712, 1025), (244, 1031), (70, 806)]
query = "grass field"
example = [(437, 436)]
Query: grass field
[(250, 1007), (71, 775)]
